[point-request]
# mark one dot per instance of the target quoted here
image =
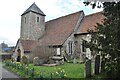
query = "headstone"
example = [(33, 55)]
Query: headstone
[(102, 66), (74, 61), (97, 64), (25, 60), (42, 61), (36, 61), (57, 62), (87, 72)]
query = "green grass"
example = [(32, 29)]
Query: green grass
[(71, 70), (101, 76)]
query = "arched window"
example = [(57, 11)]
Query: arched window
[(70, 47), (18, 55)]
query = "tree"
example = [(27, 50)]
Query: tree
[(4, 45), (105, 40)]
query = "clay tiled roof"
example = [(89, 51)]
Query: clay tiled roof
[(58, 30), (28, 44), (89, 22)]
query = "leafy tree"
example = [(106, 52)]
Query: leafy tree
[(4, 45), (105, 40)]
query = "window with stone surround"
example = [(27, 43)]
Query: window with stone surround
[(58, 51), (25, 19), (38, 19), (70, 47)]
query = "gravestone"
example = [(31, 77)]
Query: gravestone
[(83, 58), (25, 60), (87, 72), (97, 64), (74, 61), (36, 61), (42, 61), (102, 66)]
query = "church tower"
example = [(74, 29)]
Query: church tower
[(32, 23)]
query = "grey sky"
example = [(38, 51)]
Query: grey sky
[(11, 10)]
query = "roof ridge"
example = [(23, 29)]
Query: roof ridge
[(65, 16)]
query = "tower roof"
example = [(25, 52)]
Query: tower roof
[(34, 8)]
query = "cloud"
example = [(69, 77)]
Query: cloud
[(64, 7)]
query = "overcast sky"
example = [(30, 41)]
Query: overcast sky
[(11, 10)]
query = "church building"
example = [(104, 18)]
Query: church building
[(63, 35)]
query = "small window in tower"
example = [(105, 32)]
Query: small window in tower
[(37, 19), (25, 19)]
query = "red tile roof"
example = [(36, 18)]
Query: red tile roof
[(89, 22), (58, 30), (28, 44)]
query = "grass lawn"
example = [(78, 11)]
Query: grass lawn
[(71, 70)]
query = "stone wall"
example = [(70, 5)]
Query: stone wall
[(19, 46), (78, 46), (71, 38), (30, 28)]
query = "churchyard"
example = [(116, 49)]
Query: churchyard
[(66, 70)]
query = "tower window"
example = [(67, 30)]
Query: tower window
[(25, 19), (37, 19)]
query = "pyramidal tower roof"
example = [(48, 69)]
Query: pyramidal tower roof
[(34, 8)]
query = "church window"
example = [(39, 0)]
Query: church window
[(70, 47), (58, 51), (25, 19), (37, 19)]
